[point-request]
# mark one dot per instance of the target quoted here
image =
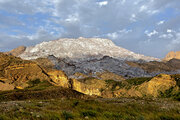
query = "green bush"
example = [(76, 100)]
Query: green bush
[(111, 115), (171, 94), (166, 117), (38, 85), (67, 115), (3, 117), (177, 79), (75, 103), (89, 113), (34, 82), (51, 116)]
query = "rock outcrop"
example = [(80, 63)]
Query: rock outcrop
[(90, 86), (17, 51), (172, 55), (6, 86), (157, 85), (59, 78), (18, 72)]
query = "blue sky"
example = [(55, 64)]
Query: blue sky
[(149, 27)]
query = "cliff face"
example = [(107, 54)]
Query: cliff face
[(89, 87), (59, 78), (172, 55)]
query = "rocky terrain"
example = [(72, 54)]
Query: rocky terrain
[(172, 55), (128, 69), (17, 73)]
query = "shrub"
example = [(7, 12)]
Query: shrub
[(67, 115), (165, 117), (111, 115), (34, 82), (89, 113), (75, 103), (177, 79), (3, 117)]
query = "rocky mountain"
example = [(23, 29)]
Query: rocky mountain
[(93, 55), (172, 55), (97, 65), (81, 48), (127, 69), (17, 51)]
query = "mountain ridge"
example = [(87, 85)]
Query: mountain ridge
[(81, 48)]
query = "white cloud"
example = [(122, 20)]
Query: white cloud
[(142, 8), (150, 34), (133, 18), (166, 36), (113, 35), (160, 22), (169, 31), (175, 43), (151, 12), (103, 3), (72, 18), (118, 34)]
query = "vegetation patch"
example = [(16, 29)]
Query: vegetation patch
[(67, 115), (38, 85), (177, 79), (138, 81), (171, 93), (115, 84), (88, 113)]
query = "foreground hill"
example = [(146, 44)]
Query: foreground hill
[(81, 48), (172, 55)]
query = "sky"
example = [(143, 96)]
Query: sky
[(149, 27)]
